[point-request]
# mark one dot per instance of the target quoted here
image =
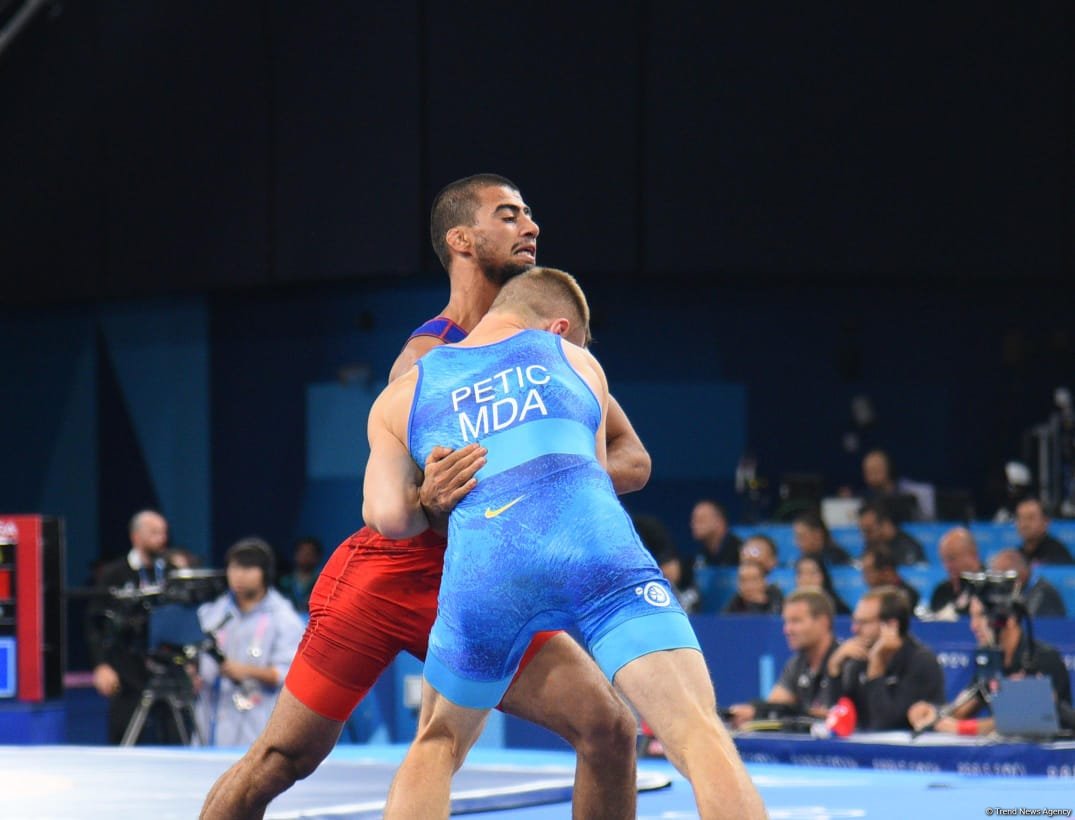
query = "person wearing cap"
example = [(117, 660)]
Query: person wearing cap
[(256, 632)]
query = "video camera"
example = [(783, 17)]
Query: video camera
[(999, 593)]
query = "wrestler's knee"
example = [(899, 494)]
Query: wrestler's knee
[(608, 730)]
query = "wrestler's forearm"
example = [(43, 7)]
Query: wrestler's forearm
[(629, 464), (395, 516)]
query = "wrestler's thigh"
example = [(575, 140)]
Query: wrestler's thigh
[(563, 690)]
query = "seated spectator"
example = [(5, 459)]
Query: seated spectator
[(306, 562), (752, 596), (812, 537), (804, 687), (257, 632), (811, 573), (959, 554), (879, 527), (1041, 599), (659, 542), (880, 479), (709, 527), (882, 668), (761, 549), (1020, 656), (1033, 526), (879, 569)]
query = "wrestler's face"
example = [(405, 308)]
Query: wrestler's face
[(504, 234)]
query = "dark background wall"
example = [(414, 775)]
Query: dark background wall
[(811, 204)]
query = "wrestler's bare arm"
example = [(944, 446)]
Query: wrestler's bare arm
[(629, 464), (390, 498), (594, 375), (415, 349)]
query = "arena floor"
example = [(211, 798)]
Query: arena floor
[(61, 782)]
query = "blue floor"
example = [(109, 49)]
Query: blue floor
[(57, 783)]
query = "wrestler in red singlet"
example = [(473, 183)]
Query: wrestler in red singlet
[(374, 598)]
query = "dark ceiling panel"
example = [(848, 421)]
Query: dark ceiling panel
[(347, 135), (545, 94)]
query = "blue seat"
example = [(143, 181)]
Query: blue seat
[(716, 585), (848, 583), (850, 538), (1064, 531), (992, 538), (783, 577), (1063, 578), (924, 579), (928, 534)]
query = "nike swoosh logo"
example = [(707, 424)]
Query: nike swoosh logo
[(494, 513)]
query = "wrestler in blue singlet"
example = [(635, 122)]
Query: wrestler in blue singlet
[(542, 542)]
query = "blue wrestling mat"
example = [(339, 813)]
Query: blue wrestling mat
[(74, 783)]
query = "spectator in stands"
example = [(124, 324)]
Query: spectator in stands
[(709, 527), (811, 573), (117, 635), (882, 668), (804, 687), (880, 479), (658, 541), (761, 549), (1033, 526), (257, 632), (812, 537), (879, 527), (1041, 599), (1020, 656), (959, 554), (306, 563), (879, 569), (752, 596)]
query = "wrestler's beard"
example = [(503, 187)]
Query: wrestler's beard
[(498, 273)]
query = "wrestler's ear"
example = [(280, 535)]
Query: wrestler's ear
[(458, 239), (561, 327)]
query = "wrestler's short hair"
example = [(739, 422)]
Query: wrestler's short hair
[(546, 293), (456, 204)]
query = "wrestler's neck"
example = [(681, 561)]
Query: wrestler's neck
[(493, 327), (472, 294)]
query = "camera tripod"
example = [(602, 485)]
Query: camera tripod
[(170, 684)]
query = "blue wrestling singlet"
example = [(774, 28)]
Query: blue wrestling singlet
[(542, 542)]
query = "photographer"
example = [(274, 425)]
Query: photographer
[(255, 632), (117, 628), (996, 615)]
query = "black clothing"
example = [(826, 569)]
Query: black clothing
[(772, 606), (1038, 657), (1048, 551), (906, 550), (913, 674), (117, 633), (727, 554), (1044, 601), (835, 555), (944, 594), (812, 690), (912, 593)]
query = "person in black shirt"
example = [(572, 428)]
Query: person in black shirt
[(879, 528), (1033, 526), (879, 569), (882, 668), (810, 571), (812, 537), (804, 687), (117, 634), (1041, 599), (709, 527), (1020, 656), (959, 554), (752, 595)]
